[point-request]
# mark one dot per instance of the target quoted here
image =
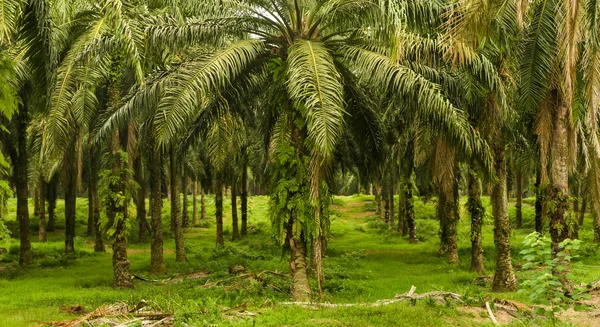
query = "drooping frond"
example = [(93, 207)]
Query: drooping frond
[(9, 15), (434, 108), (315, 86), (202, 79), (539, 53)]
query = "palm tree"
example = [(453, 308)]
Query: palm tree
[(26, 43), (307, 60)]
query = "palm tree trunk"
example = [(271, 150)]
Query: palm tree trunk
[(539, 194), (51, 192), (401, 211), (377, 199), (234, 217), (504, 279), (90, 221), (121, 276), (185, 218), (202, 204), (176, 208), (300, 288), (244, 194), (443, 218), (559, 193), (519, 204), (140, 203), (20, 160), (42, 194), (452, 220), (409, 212), (95, 200), (583, 207), (391, 202), (70, 197), (195, 203), (36, 201), (157, 262), (219, 210), (476, 211)]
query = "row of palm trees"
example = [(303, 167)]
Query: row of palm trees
[(137, 98)]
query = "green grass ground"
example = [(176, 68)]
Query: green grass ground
[(365, 262)]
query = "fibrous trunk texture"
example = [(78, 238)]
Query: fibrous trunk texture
[(20, 160), (234, 217), (185, 218), (176, 209), (391, 204), (559, 181), (300, 288), (42, 195), (539, 198), (583, 207), (202, 204), (157, 263), (140, 203), (70, 197), (244, 197), (452, 217), (117, 214), (95, 204), (219, 211), (442, 217), (51, 194), (195, 203), (519, 204), (504, 279), (409, 213), (476, 212)]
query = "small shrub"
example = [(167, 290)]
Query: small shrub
[(546, 284)]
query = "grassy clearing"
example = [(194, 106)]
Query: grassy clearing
[(365, 262)]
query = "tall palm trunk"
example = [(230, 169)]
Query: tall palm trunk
[(519, 204), (117, 214), (409, 211), (391, 202), (583, 207), (219, 210), (36, 201), (559, 193), (20, 160), (504, 279), (51, 193), (176, 208), (476, 212), (42, 195), (539, 194), (234, 217), (443, 219), (244, 193), (401, 211), (300, 288), (195, 203), (157, 262), (90, 221), (452, 221), (377, 199), (185, 218), (140, 203), (121, 275), (202, 204), (70, 171), (95, 200)]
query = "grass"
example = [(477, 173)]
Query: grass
[(365, 262)]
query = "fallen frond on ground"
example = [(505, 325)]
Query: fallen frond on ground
[(119, 314)]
